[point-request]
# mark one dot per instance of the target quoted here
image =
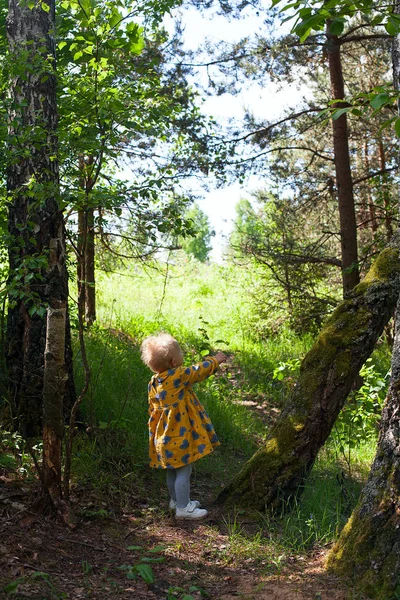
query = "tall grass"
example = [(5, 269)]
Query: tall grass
[(197, 304)]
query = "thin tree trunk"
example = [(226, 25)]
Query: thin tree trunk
[(55, 377), (38, 275), (86, 246), (80, 269), (277, 472), (385, 191), (86, 265), (90, 283), (344, 182), (371, 205), (72, 421)]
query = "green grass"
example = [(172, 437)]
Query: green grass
[(202, 305)]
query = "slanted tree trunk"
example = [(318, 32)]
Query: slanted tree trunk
[(276, 473), (344, 181), (38, 275), (368, 550)]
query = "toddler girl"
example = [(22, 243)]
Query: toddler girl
[(180, 430)]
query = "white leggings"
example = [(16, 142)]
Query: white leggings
[(178, 482)]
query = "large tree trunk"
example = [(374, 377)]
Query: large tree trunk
[(38, 275), (276, 473), (368, 550), (344, 181)]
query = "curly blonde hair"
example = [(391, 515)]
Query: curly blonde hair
[(158, 350)]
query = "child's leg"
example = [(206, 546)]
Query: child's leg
[(171, 477), (182, 485)]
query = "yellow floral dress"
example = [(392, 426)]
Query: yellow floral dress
[(180, 429)]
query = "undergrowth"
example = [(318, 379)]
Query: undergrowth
[(243, 399)]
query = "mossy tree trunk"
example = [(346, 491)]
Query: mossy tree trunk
[(276, 473), (368, 550)]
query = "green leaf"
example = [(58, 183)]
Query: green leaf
[(305, 35), (61, 45), (336, 26), (40, 574), (397, 127), (393, 24), (134, 547), (157, 549), (11, 587), (379, 100), (147, 559), (41, 311), (390, 28), (45, 7), (338, 113), (116, 18), (145, 572)]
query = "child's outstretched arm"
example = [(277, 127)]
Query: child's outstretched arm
[(200, 370)]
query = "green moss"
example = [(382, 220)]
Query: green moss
[(265, 466), (387, 263), (365, 554), (343, 365), (328, 369), (343, 330)]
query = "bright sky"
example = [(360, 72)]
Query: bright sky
[(267, 102)]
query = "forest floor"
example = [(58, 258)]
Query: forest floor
[(107, 556)]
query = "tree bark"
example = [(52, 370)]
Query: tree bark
[(86, 246), (368, 550), (277, 472), (385, 191), (344, 181), (90, 283), (370, 212), (86, 265), (55, 377), (38, 275)]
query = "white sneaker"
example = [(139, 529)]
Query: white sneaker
[(191, 511), (172, 504)]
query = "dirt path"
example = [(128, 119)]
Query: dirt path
[(107, 558)]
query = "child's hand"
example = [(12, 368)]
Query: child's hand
[(220, 357)]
